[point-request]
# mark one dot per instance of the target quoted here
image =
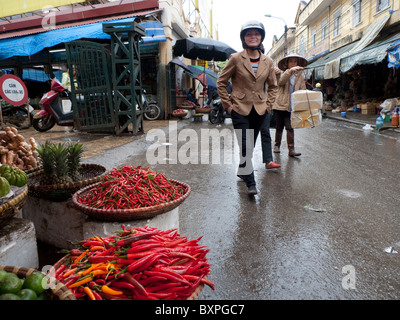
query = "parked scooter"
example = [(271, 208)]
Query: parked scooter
[(151, 110), (217, 113), (52, 112)]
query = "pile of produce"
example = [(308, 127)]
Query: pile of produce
[(14, 288), (179, 113), (16, 152), (132, 187), (139, 263), (10, 176), (60, 162)]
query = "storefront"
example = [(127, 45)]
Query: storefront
[(46, 52)]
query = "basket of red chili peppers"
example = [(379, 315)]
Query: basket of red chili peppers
[(130, 193), (141, 263)]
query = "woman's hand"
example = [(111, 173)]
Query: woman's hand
[(296, 69)]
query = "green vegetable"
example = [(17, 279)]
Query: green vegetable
[(4, 187), (35, 282), (10, 283), (14, 176), (27, 294), (9, 296)]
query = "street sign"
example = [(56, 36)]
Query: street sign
[(13, 90)]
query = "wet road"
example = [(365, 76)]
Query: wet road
[(273, 246)]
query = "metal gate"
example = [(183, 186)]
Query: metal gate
[(91, 87), (126, 74)]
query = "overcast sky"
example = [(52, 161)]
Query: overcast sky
[(230, 15)]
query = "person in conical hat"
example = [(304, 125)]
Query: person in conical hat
[(289, 81)]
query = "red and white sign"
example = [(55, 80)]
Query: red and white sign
[(13, 90)]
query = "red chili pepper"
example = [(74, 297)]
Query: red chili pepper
[(134, 238), (98, 259), (176, 278), (135, 283), (91, 243), (97, 295), (142, 263), (59, 270)]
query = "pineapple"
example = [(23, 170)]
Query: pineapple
[(46, 159), (60, 157), (74, 159), (60, 162)]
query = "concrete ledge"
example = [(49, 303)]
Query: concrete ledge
[(61, 224), (18, 244)]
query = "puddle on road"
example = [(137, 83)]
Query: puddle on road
[(349, 193)]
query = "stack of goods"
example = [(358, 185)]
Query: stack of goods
[(306, 108), (139, 263)]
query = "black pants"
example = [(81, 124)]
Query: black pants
[(247, 129), (266, 140)]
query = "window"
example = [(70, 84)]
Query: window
[(356, 12), (324, 29), (313, 37), (381, 5), (336, 23), (302, 48)]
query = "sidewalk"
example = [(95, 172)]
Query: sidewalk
[(95, 143), (360, 119)]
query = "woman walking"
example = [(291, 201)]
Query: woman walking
[(289, 81), (250, 71)]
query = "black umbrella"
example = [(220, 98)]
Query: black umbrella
[(180, 64), (202, 48)]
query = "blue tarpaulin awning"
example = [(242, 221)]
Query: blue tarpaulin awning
[(154, 32), (29, 45), (394, 55)]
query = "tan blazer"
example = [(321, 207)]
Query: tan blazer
[(282, 101), (247, 87)]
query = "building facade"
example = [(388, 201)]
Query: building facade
[(38, 28), (346, 43)]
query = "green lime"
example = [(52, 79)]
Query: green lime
[(10, 283), (43, 296), (27, 294), (9, 296), (35, 282), (2, 274)]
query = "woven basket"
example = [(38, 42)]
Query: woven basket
[(187, 107), (11, 207), (90, 173), (128, 214), (180, 115), (193, 296), (203, 110), (60, 292)]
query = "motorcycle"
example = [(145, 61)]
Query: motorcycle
[(217, 113), (151, 110), (52, 111)]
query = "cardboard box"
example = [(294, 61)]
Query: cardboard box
[(367, 106), (368, 111), (306, 119), (303, 100)]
